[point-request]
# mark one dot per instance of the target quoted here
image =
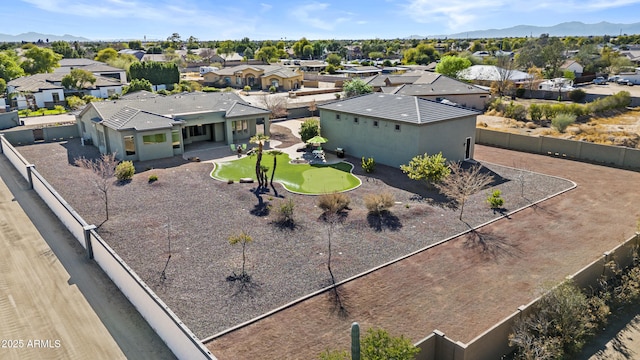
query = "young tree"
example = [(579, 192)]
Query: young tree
[(9, 65), (103, 173), (309, 129), (451, 65), (243, 239), (40, 60), (313, 107), (106, 55), (276, 104), (429, 168), (334, 59), (461, 184), (78, 78), (356, 87), (333, 205), (505, 67)]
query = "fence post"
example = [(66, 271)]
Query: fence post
[(30, 168), (87, 239)]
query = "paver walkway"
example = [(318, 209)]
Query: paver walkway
[(456, 287)]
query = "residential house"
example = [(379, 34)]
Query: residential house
[(46, 90), (145, 126), (572, 66), (440, 87), (486, 74), (97, 68), (360, 71), (137, 53), (392, 129), (256, 76)]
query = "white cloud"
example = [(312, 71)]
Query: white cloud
[(319, 15), (456, 14), (265, 7)]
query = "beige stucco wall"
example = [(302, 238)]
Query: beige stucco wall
[(392, 147)]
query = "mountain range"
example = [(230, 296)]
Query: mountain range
[(573, 28), (34, 36)]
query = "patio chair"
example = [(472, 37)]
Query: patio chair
[(233, 147)]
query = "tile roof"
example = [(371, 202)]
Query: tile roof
[(35, 83), (130, 118), (172, 107), (409, 109)]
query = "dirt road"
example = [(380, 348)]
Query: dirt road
[(54, 303)]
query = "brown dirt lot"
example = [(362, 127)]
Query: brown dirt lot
[(457, 287)]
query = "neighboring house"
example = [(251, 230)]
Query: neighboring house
[(35, 91), (360, 71), (440, 87), (311, 66), (486, 74), (392, 129), (46, 90), (144, 126), (256, 76), (97, 68), (137, 53), (573, 66), (633, 54)]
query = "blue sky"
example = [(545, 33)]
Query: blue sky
[(278, 19)]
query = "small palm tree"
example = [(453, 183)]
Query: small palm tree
[(275, 153), (259, 139), (243, 238)]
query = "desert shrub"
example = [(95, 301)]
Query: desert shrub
[(378, 344), (74, 102), (559, 324), (562, 121), (125, 171), (368, 165), (516, 111), (333, 202), (575, 109), (378, 203), (520, 92), (90, 98), (284, 214), (497, 105), (535, 112), (495, 199), (164, 92), (210, 89), (548, 111), (531, 125), (153, 178), (247, 88), (272, 89), (613, 102), (577, 95), (228, 89)]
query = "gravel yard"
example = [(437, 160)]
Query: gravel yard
[(190, 216)]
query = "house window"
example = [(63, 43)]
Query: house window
[(129, 145), (337, 116), (240, 126), (197, 130), (175, 139), (56, 97), (154, 139), (375, 123), (227, 80), (397, 127), (275, 83), (355, 120), (111, 92), (238, 81)]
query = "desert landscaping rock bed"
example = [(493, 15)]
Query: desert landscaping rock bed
[(189, 215)]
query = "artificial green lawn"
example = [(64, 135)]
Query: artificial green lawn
[(299, 178)]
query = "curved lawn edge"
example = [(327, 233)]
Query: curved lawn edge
[(284, 185), (303, 298)]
